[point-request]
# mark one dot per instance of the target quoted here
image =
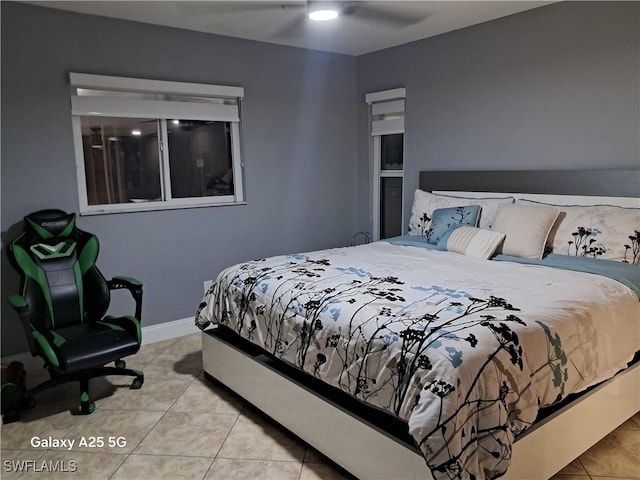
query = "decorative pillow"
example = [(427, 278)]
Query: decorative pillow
[(599, 231), (425, 203), (471, 241), (444, 219), (526, 228)]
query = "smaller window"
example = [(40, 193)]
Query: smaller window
[(147, 145), (387, 161)]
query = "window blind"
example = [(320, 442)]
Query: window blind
[(387, 111), (133, 97)]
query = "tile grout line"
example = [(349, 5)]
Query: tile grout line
[(155, 424), (152, 427), (208, 468), (583, 467), (122, 457), (138, 444), (301, 467), (221, 445), (195, 377), (302, 464)]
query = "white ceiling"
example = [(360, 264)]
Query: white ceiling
[(374, 25)]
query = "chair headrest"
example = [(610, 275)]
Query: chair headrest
[(50, 223)]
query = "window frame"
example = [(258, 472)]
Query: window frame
[(118, 108), (386, 117)]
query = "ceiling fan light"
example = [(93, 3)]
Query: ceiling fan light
[(323, 15)]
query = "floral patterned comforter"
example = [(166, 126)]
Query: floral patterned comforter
[(465, 350)]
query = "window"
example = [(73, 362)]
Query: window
[(149, 145), (387, 153)]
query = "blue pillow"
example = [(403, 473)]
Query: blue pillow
[(444, 219)]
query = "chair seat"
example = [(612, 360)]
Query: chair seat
[(92, 344)]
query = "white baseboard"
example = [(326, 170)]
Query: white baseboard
[(169, 330), (150, 334)]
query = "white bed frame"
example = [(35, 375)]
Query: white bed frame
[(367, 452)]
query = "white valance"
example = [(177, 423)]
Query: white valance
[(387, 111), (102, 95)]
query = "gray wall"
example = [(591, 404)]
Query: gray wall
[(299, 126), (556, 87)]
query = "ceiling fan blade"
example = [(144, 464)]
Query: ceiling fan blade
[(389, 14), (292, 29), (238, 6)]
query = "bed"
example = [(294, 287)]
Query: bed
[(421, 358)]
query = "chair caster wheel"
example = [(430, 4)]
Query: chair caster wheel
[(87, 408), (137, 383), (120, 364)]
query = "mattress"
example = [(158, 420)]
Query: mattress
[(466, 351)]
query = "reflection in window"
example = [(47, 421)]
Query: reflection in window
[(390, 207), (121, 159), (391, 148), (200, 158)]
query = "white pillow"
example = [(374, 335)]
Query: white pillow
[(471, 241), (598, 231), (526, 228), (424, 203)]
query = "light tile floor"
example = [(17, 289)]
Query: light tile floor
[(180, 425)]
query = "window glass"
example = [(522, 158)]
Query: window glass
[(200, 158), (121, 159), (391, 154), (390, 207)]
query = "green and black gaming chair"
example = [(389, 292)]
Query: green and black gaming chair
[(63, 302)]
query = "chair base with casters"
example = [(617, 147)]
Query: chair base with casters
[(63, 302), (87, 406)]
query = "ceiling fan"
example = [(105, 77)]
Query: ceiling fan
[(396, 14), (376, 11)]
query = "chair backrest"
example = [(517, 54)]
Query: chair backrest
[(59, 278)]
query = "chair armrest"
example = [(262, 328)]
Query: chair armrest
[(126, 282), (135, 288), (21, 306), (18, 303)]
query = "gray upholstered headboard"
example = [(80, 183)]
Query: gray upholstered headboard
[(606, 183)]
